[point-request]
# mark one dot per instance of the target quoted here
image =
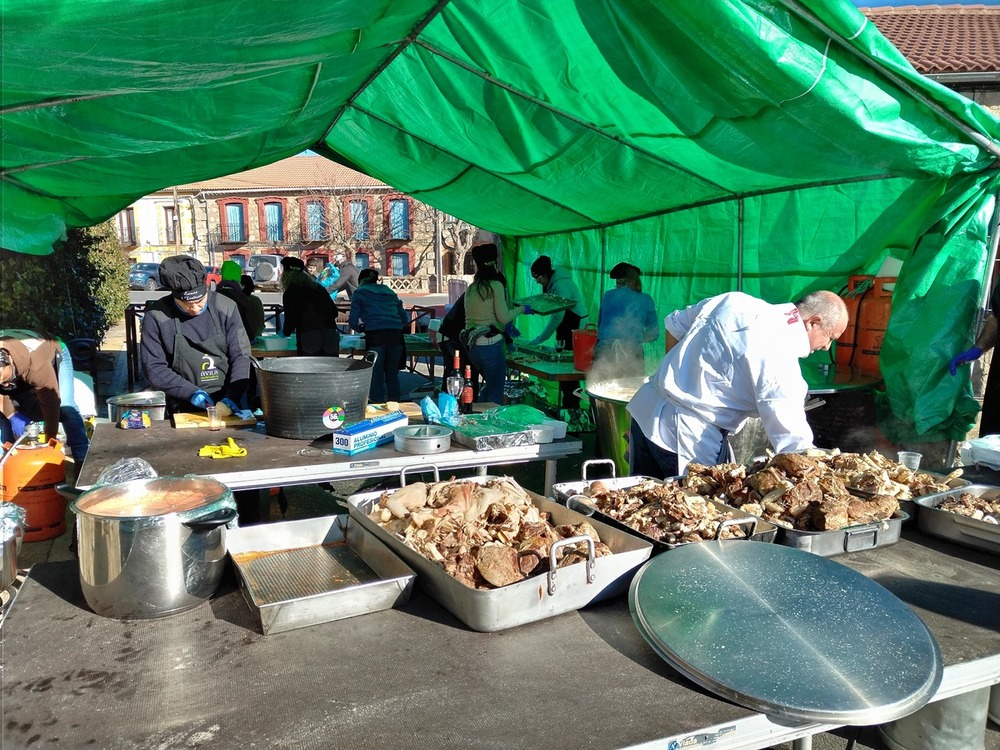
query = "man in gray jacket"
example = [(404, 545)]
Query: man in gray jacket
[(348, 279)]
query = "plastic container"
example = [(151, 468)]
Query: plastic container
[(584, 341), (956, 722), (558, 428)]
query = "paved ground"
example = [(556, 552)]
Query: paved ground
[(312, 501)]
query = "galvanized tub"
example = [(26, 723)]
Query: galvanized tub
[(299, 573), (532, 599), (296, 392), (955, 527)]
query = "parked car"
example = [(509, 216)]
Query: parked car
[(213, 276), (145, 276), (265, 270)]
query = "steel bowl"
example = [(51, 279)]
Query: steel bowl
[(153, 402), (422, 439)]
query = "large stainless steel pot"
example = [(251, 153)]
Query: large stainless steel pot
[(152, 547), (154, 402), (11, 534), (609, 400)]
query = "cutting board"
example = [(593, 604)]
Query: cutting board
[(185, 420)]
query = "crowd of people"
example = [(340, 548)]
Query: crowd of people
[(728, 357)]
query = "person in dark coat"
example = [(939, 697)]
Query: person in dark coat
[(193, 343), (348, 280), (309, 312), (251, 314), (377, 311)]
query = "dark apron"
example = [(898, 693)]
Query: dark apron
[(564, 332), (204, 364)]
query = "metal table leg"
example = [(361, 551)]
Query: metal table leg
[(803, 743), (550, 475)]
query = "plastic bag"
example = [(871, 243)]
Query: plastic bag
[(430, 410), (127, 469), (447, 405)]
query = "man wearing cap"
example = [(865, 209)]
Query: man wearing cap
[(194, 346), (626, 320), (309, 311), (251, 308), (348, 279)]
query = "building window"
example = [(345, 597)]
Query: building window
[(274, 222), (400, 264), (360, 222), (234, 225), (362, 260), (317, 227), (399, 219), (172, 225), (126, 226)]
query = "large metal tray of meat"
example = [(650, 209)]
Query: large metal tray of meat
[(299, 573), (535, 598), (755, 528), (850, 539), (563, 490), (910, 506), (970, 532)]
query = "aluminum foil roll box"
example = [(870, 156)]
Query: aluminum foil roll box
[(368, 433)]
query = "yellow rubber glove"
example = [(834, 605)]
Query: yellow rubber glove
[(229, 450)]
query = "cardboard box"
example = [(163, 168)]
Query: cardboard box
[(368, 433)]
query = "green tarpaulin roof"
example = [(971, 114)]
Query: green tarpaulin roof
[(774, 146)]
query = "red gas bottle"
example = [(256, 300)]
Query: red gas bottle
[(854, 297), (873, 321), (29, 475)]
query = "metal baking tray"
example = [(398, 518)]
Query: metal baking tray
[(532, 599), (757, 529), (562, 490), (299, 573), (850, 539), (909, 506), (957, 528)]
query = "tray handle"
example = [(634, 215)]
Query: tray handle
[(748, 521), (585, 469), (866, 536), (422, 467), (591, 557)]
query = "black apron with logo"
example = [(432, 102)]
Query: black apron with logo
[(204, 364)]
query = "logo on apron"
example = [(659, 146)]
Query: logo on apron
[(210, 375)]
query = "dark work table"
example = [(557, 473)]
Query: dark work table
[(416, 677)]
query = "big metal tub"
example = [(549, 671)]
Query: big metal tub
[(609, 401), (535, 598), (964, 530), (152, 547)]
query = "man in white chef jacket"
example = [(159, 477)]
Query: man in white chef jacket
[(729, 357)]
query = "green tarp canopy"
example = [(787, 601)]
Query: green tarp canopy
[(773, 146)]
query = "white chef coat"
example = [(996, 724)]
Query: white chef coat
[(736, 357)]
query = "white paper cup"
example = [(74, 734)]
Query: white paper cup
[(910, 459)]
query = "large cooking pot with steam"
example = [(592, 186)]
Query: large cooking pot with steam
[(152, 547), (609, 400)]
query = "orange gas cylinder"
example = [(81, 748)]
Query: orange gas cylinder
[(29, 475), (873, 321), (857, 291)]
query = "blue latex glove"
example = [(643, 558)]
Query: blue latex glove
[(18, 422), (528, 310), (202, 400), (231, 404), (511, 331), (967, 356)]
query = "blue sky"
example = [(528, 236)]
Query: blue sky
[(883, 3)]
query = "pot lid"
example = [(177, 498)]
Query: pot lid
[(786, 632), (153, 497)]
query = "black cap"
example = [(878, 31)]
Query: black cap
[(485, 255), (621, 269), (184, 276), (367, 275), (290, 261)]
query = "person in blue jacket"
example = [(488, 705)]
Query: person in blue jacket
[(625, 321), (377, 311)]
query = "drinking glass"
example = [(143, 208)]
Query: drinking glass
[(214, 418)]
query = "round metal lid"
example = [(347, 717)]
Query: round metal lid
[(144, 498), (786, 632)]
